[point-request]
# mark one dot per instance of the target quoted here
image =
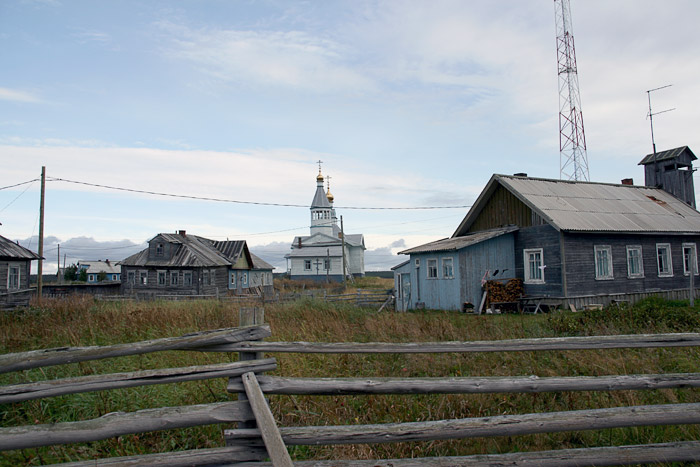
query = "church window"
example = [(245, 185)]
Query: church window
[(307, 265)]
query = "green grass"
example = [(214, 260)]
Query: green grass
[(83, 321)]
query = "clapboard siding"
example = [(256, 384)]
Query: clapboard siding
[(547, 238), (580, 262)]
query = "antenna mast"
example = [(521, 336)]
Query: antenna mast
[(573, 161)]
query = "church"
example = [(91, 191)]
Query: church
[(324, 255)]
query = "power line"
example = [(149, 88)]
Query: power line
[(18, 184), (258, 203)]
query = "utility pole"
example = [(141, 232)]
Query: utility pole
[(58, 264), (328, 264), (342, 238), (40, 272)]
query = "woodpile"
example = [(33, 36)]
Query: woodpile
[(510, 291)]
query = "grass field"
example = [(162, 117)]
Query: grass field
[(83, 321)]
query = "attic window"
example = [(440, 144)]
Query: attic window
[(657, 200), (159, 249)]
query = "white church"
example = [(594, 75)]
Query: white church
[(324, 255)]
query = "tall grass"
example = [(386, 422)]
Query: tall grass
[(83, 321)]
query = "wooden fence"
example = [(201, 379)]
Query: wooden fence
[(258, 437)]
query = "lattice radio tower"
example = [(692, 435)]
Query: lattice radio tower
[(573, 161)]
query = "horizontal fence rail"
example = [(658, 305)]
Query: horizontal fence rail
[(502, 425), (511, 345), (64, 355), (60, 387), (467, 385)]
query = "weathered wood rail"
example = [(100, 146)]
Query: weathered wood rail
[(258, 437)]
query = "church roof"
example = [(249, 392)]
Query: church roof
[(668, 155)]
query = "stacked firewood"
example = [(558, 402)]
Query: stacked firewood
[(510, 291)]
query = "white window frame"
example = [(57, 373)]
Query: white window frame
[(417, 262), (431, 268), (685, 263), (529, 279), (307, 265), (91, 278), (11, 285), (668, 259), (611, 275), (326, 264), (448, 262), (640, 273), (232, 280), (244, 279), (115, 277)]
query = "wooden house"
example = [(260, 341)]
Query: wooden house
[(185, 264), (574, 242), (109, 270), (15, 266)]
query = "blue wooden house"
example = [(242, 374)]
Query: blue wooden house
[(569, 242)]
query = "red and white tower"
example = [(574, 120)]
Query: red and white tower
[(573, 161)]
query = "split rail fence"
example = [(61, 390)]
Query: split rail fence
[(258, 437)]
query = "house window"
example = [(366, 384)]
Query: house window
[(307, 265), (244, 279), (205, 278), (663, 258), (233, 279), (326, 264), (91, 278), (417, 262), (13, 277), (603, 262), (174, 277), (534, 267), (131, 277), (114, 277), (432, 269), (159, 249), (187, 278), (635, 265), (447, 268), (143, 277), (689, 253), (162, 278)]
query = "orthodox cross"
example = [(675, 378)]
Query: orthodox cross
[(319, 165)]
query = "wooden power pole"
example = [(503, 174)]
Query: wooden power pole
[(40, 272)]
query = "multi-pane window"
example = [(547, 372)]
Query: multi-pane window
[(233, 279), (447, 268), (131, 277), (143, 277), (174, 276), (326, 264), (307, 265), (91, 277), (244, 279), (159, 249), (663, 258), (603, 262), (690, 258), (635, 266), (13, 277), (205, 278), (162, 278), (534, 266), (432, 269), (187, 278)]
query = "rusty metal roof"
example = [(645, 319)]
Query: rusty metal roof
[(667, 155), (193, 251), (12, 250), (594, 207), (457, 243)]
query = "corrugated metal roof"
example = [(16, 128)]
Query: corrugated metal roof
[(192, 251), (667, 155), (457, 243), (600, 207), (10, 249)]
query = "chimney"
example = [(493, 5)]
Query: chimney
[(520, 174), (182, 233), (298, 242), (627, 181)]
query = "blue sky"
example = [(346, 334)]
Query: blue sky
[(409, 104)]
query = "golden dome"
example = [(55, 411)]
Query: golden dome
[(329, 196), (319, 177)]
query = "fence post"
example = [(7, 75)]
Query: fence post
[(249, 316)]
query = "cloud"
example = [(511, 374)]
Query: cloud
[(16, 95)]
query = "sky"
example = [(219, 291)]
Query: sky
[(229, 104)]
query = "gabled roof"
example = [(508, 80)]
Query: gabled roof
[(10, 249), (401, 265), (573, 206), (193, 251), (321, 239), (334, 251), (457, 243), (668, 155)]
